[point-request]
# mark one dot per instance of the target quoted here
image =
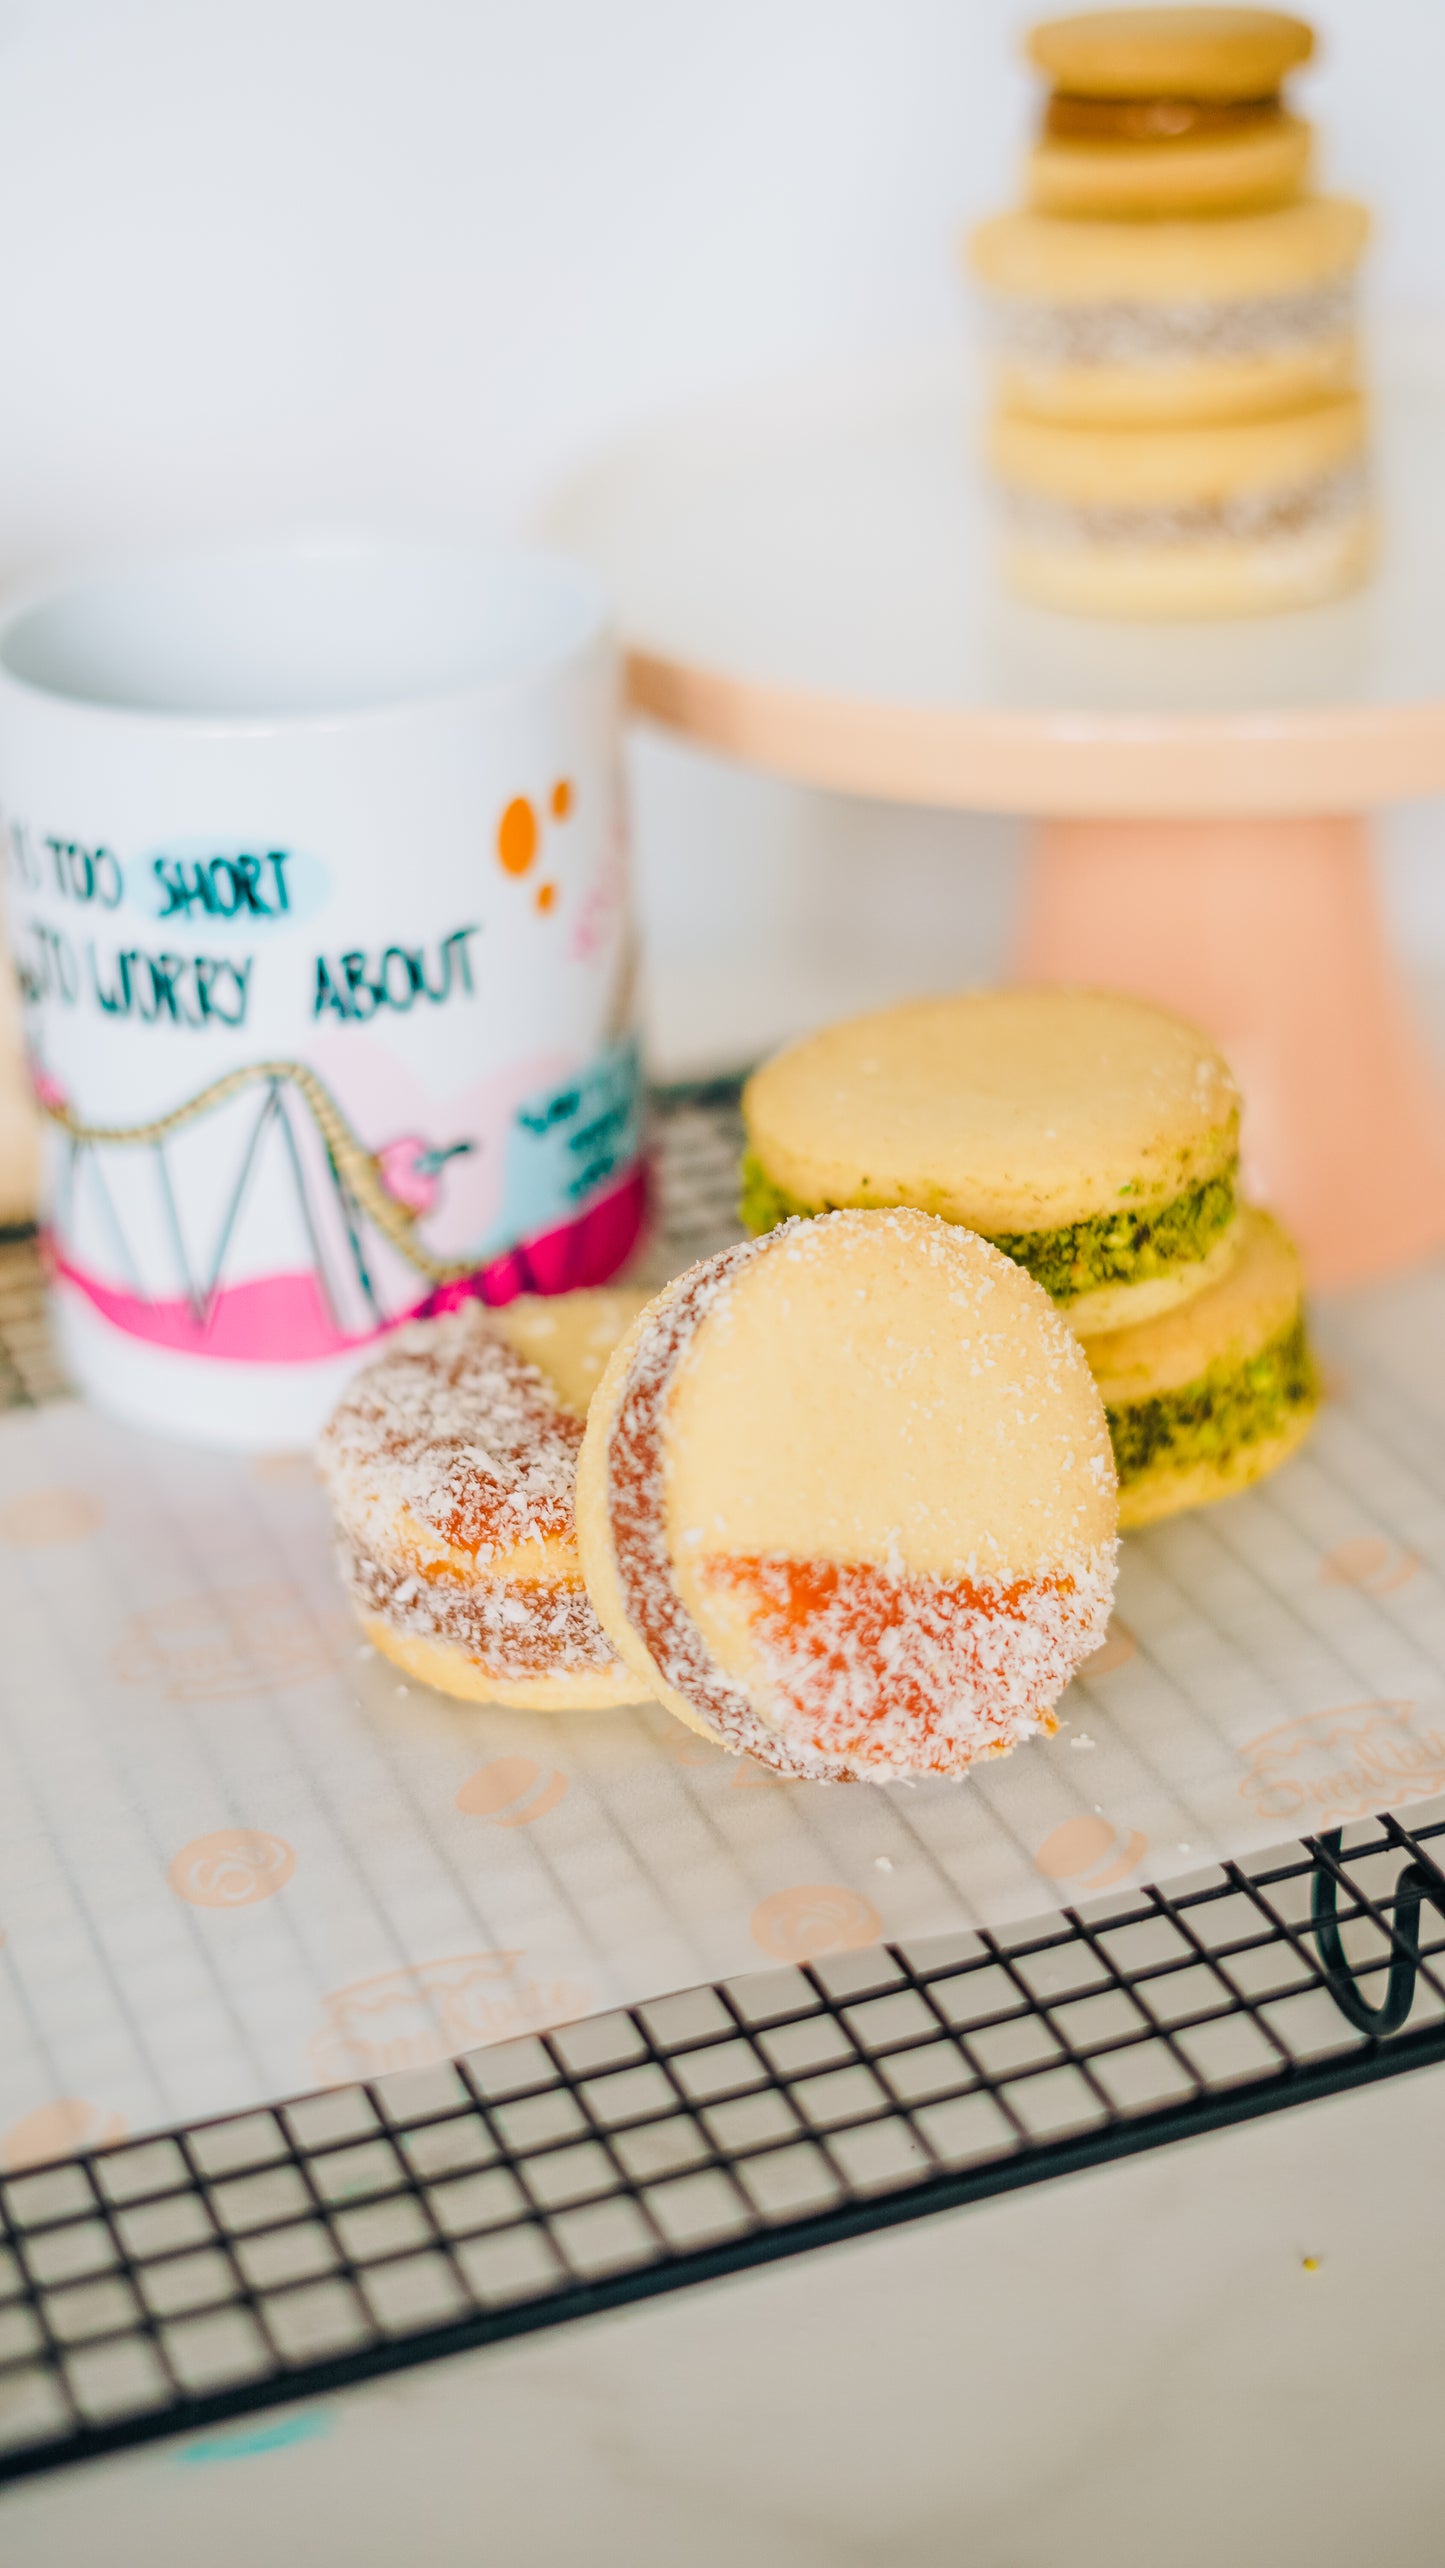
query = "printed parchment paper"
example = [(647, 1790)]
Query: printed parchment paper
[(239, 1858)]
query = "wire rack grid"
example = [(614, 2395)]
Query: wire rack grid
[(157, 2286)]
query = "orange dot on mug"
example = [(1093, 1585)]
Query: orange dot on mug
[(562, 798), (517, 836), (546, 897)]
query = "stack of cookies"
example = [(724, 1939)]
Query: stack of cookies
[(1178, 424), (1095, 1140)]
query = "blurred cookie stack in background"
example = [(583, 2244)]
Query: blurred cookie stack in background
[(1179, 428)]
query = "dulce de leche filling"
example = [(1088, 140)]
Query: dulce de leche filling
[(1072, 119), (866, 1670)]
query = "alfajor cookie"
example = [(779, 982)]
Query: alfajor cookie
[(1093, 1138), (1157, 113), (451, 1466), (1242, 518), (846, 1500), (1211, 1397), (1129, 324)]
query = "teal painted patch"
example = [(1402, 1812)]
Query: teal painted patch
[(568, 1144), (269, 2434)]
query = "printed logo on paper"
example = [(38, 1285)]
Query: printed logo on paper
[(408, 2019), (1116, 1649), (57, 2130), (237, 1641), (45, 1516), (1371, 1562), (231, 1868), (818, 1917), (513, 1792), (1091, 1852), (1328, 1767)]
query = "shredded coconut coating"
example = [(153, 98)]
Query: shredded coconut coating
[(1188, 330), (866, 1671), (455, 1435), (897, 1675), (1237, 517), (513, 1627)]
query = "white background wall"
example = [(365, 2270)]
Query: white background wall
[(271, 261)]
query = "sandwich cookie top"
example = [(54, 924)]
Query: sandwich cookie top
[(1092, 1137), (1220, 55), (1158, 112), (846, 1499)]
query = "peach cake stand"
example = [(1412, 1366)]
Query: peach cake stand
[(805, 581)]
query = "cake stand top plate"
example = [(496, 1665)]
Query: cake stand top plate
[(806, 581)]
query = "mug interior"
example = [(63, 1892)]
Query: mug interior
[(317, 628)]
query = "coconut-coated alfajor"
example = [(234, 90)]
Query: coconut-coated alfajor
[(1092, 1137), (1239, 517), (846, 1500), (1212, 1396), (451, 1466), (1130, 324)]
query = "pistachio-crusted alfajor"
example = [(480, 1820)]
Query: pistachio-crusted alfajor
[(1237, 518), (1157, 112), (1211, 1397), (846, 1499), (451, 1466), (1093, 1138)]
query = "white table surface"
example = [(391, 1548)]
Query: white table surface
[(1126, 2369)]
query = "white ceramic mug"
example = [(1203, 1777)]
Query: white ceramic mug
[(317, 896)]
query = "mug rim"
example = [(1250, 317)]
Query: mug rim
[(113, 568)]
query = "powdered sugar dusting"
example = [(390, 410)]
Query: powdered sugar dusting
[(453, 1430), (862, 1670)]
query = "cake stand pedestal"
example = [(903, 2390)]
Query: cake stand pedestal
[(806, 582)]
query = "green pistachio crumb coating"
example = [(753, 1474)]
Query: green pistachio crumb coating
[(762, 1205), (1109, 1248), (1209, 1420)]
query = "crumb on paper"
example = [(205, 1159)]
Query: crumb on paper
[(1082, 1741), (883, 1863), (1311, 2264)]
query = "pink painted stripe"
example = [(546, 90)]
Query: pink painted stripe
[(285, 1319)]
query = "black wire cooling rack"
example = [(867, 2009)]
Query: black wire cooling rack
[(172, 2282)]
